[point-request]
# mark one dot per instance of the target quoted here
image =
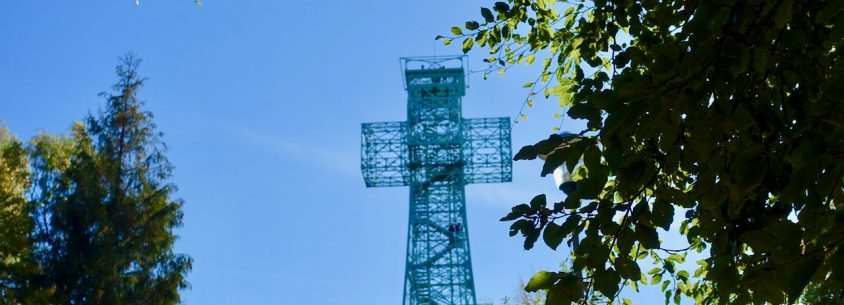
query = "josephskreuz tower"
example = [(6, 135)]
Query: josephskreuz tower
[(436, 152)]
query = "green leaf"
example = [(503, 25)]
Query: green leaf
[(521, 225), (625, 240), (699, 272), (467, 44), (558, 90), (675, 258), (456, 30), (663, 214), (570, 154), (538, 201), (552, 236), (606, 281), (656, 278), (566, 100), (541, 280), (517, 212), (501, 7), (628, 268), (546, 63), (647, 236), (570, 224), (487, 14), (596, 256), (531, 236), (530, 58), (591, 187), (522, 209), (471, 25), (582, 111), (528, 152), (669, 266), (566, 291)]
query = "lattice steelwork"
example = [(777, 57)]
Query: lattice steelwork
[(436, 152), (384, 154), (487, 150)]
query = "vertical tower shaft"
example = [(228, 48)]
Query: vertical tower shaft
[(439, 266)]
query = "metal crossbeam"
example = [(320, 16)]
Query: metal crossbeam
[(487, 150), (436, 152), (384, 154)]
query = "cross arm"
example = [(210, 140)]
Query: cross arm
[(487, 150), (384, 154)]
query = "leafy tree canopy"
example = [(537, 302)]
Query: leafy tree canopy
[(89, 218), (17, 263), (723, 115)]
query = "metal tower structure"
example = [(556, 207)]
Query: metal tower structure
[(436, 152)]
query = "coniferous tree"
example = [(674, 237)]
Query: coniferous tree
[(105, 211)]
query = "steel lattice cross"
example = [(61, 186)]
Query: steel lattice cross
[(436, 152)]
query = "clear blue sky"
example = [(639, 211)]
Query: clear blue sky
[(261, 104)]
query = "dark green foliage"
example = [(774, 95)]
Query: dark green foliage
[(726, 115), (17, 262), (100, 214), (816, 294)]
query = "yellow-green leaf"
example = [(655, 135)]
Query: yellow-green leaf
[(540, 280), (467, 44), (565, 100), (546, 63)]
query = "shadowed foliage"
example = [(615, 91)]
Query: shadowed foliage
[(724, 116)]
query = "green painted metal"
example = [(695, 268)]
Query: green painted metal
[(436, 152)]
